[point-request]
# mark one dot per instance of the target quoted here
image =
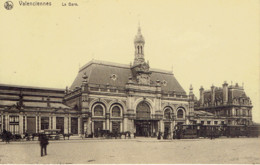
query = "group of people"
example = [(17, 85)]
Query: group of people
[(44, 141), (6, 136), (177, 134)]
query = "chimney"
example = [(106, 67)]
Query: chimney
[(201, 96), (225, 93), (191, 95), (213, 95)]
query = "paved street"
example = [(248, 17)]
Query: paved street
[(139, 150)]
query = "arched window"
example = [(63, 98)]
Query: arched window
[(137, 49), (180, 113), (116, 111), (143, 110), (98, 110), (167, 113), (141, 50)]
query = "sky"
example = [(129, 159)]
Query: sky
[(203, 42)]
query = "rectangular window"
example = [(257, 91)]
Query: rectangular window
[(14, 119), (202, 122), (14, 124), (216, 122), (244, 112), (229, 122), (222, 122), (208, 122), (222, 112), (44, 123)]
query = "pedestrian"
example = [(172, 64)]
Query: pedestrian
[(159, 135), (43, 143), (211, 134), (8, 136), (4, 136)]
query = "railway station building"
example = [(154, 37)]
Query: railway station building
[(120, 98), (134, 98), (103, 96)]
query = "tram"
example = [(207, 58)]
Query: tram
[(215, 131)]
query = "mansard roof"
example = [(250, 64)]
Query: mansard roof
[(117, 75), (236, 95), (238, 92)]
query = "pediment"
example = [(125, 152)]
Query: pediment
[(60, 111), (12, 109)]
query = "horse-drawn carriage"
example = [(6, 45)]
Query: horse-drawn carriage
[(114, 134), (53, 134)]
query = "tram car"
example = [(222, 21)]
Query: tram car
[(208, 131), (235, 130), (215, 131), (186, 131)]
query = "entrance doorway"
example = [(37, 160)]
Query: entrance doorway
[(115, 126), (167, 129), (60, 124), (98, 126), (31, 125), (143, 128), (74, 125)]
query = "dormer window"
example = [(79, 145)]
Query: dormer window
[(164, 82), (113, 77)]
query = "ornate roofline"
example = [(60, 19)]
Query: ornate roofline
[(93, 61)]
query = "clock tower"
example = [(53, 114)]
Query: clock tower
[(140, 69)]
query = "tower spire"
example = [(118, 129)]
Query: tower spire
[(139, 47), (139, 28)]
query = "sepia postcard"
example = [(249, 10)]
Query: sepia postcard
[(129, 82)]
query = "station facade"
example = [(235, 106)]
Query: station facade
[(120, 98), (134, 98)]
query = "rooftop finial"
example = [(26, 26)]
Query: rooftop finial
[(191, 88), (139, 28)]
